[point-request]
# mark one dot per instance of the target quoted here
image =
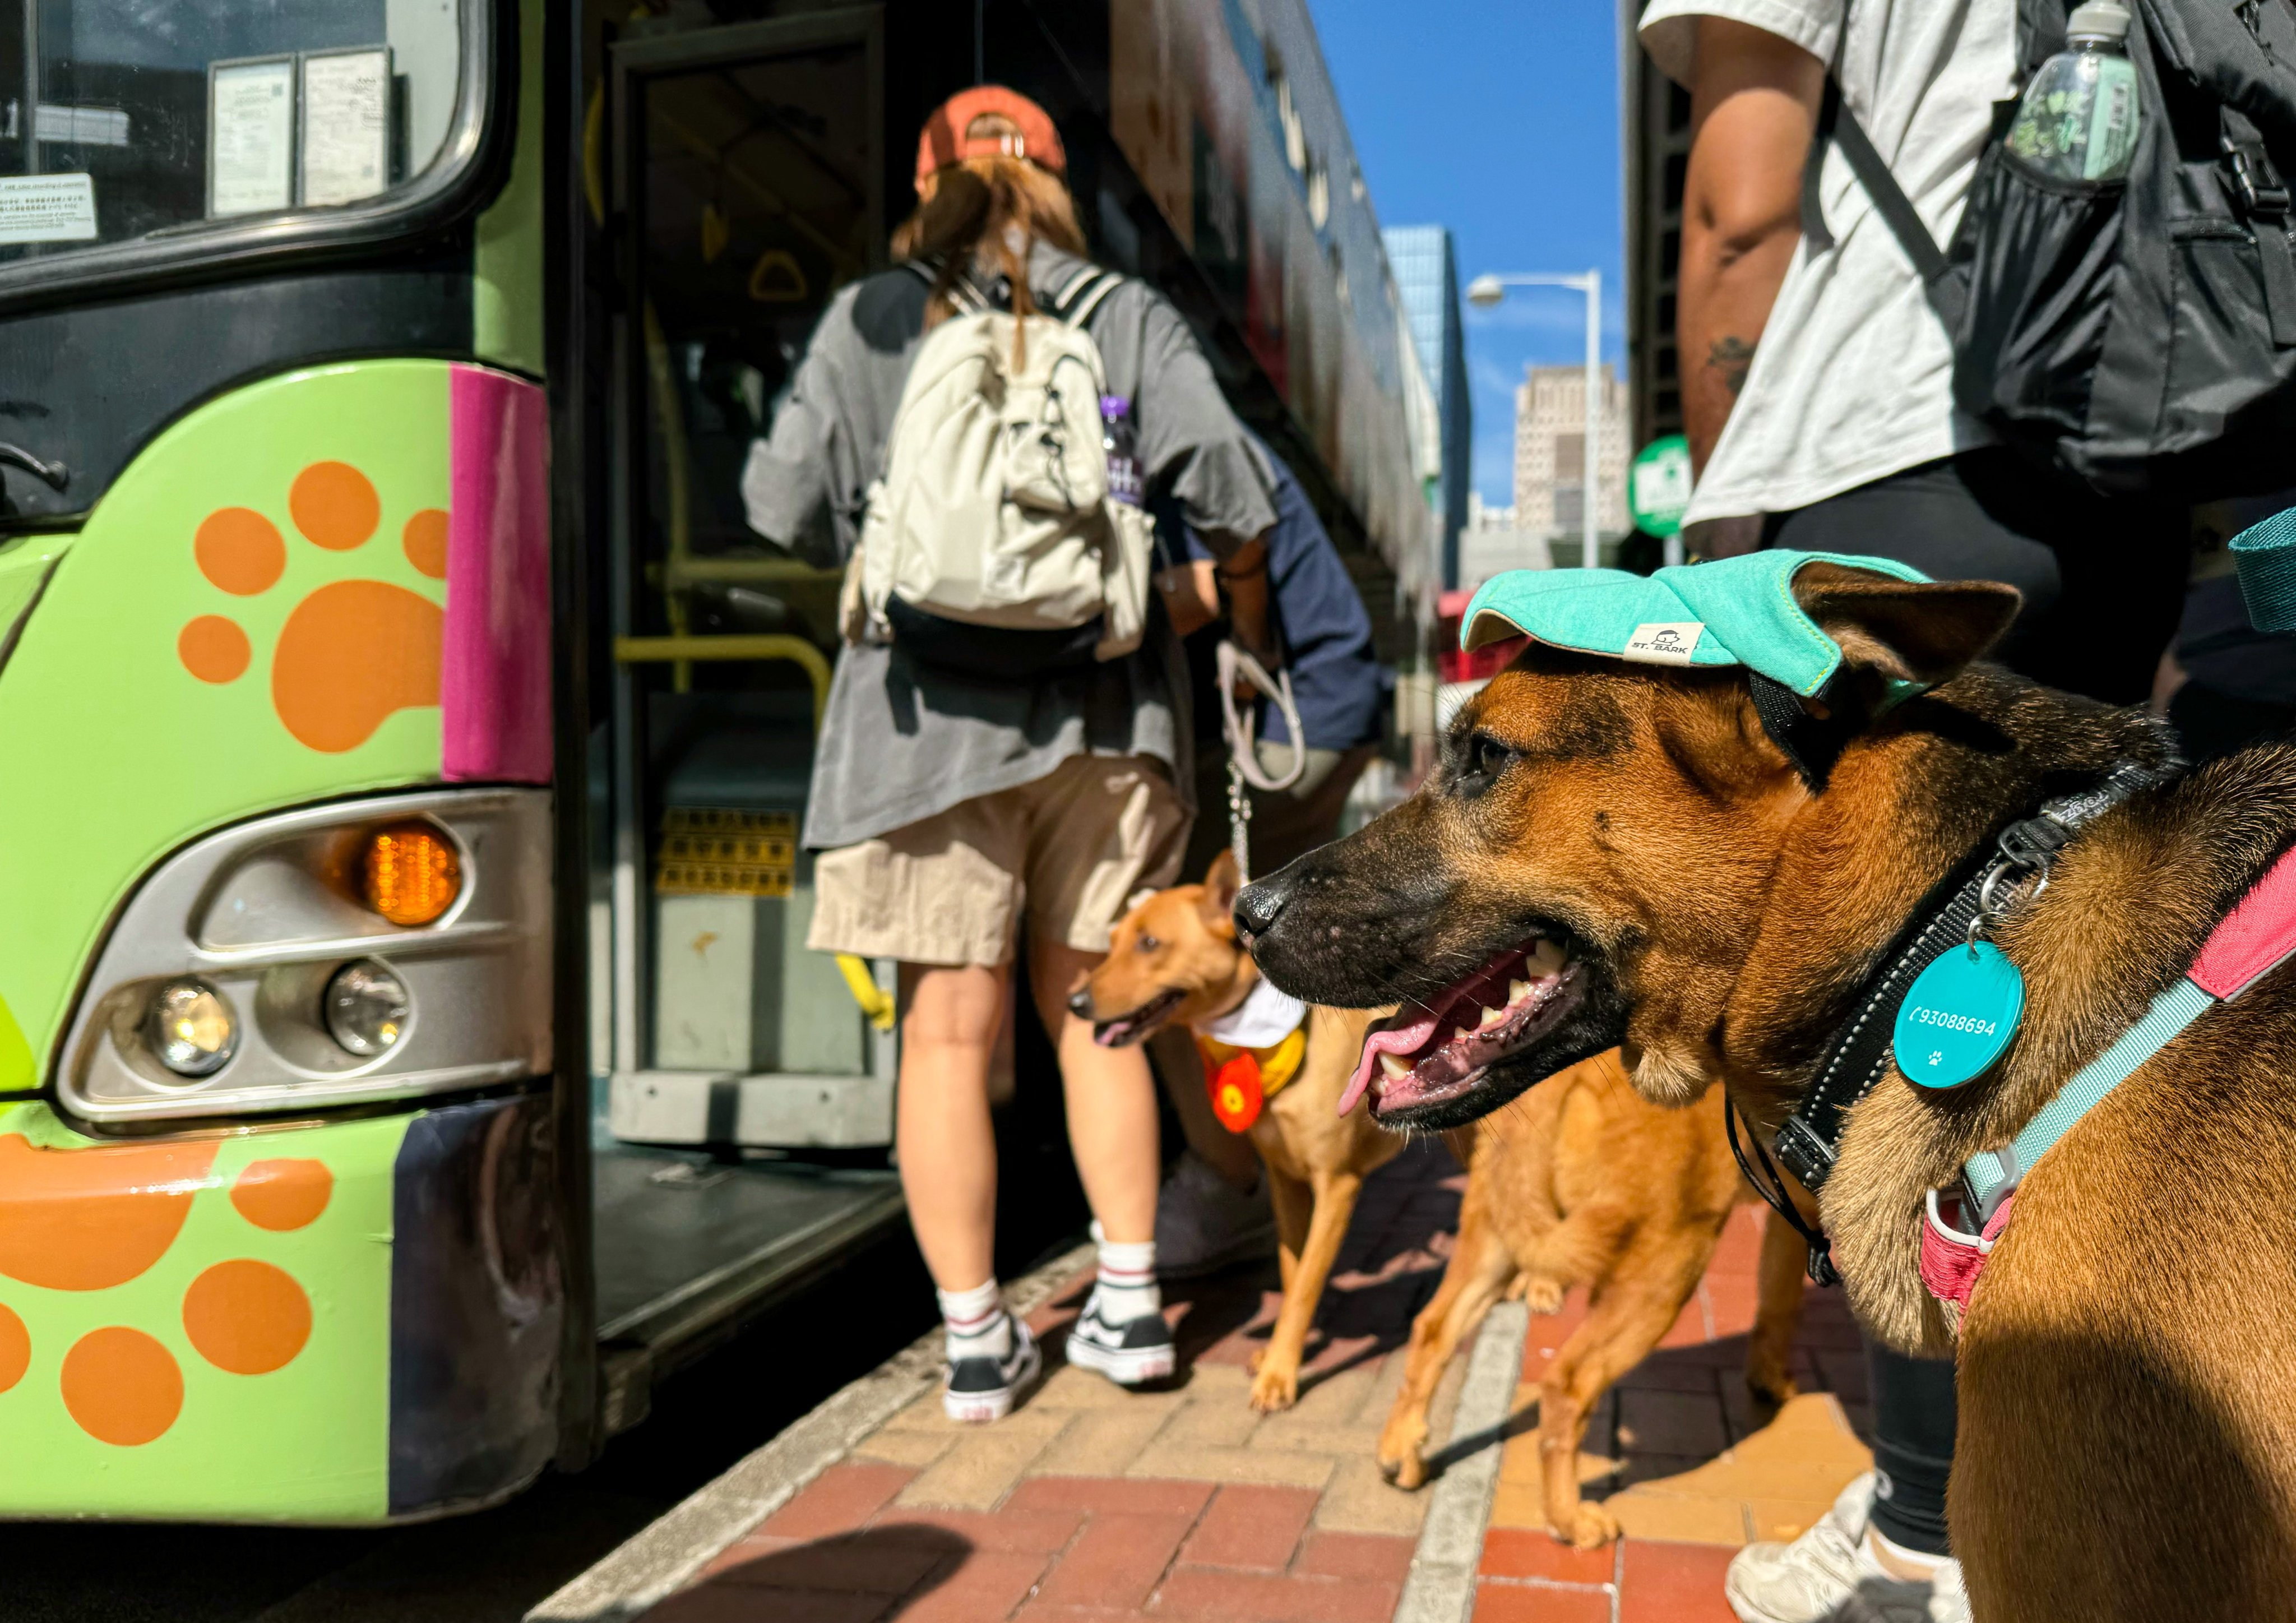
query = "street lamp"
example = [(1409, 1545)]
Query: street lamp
[(1486, 291)]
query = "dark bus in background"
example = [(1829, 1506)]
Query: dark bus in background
[(408, 1049)]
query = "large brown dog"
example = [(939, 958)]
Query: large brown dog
[(1587, 1184), (2127, 1441), (1583, 1182)]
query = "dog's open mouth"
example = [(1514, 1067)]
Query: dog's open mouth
[(1437, 1049), (1131, 1028)]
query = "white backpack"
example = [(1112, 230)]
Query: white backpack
[(995, 512)]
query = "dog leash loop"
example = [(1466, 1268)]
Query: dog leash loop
[(1772, 1188)]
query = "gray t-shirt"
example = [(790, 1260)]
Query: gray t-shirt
[(902, 740)]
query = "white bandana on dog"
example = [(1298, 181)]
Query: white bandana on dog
[(1263, 1018)]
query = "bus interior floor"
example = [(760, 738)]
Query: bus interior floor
[(1089, 1502)]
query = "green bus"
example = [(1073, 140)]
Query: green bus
[(408, 1049)]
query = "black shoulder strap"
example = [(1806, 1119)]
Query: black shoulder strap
[(1837, 123), (1075, 303), (1810, 742)]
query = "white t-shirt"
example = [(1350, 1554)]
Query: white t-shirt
[(1852, 378)]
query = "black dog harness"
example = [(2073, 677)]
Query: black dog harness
[(1957, 909)]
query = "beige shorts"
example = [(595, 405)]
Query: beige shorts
[(1070, 849)]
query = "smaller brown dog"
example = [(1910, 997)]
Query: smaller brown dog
[(1174, 957), (1580, 1181)]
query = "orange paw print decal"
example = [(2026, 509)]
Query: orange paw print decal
[(353, 652), (89, 1220)]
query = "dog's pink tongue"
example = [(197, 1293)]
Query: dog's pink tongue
[(1394, 1039)]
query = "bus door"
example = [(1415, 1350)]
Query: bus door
[(744, 1083)]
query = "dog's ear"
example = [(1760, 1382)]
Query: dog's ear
[(1904, 630), (1221, 882)]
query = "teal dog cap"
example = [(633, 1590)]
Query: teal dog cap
[(1732, 612), (2265, 554)]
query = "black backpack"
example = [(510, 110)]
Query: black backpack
[(2139, 333)]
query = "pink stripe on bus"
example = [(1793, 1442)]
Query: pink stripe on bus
[(495, 669)]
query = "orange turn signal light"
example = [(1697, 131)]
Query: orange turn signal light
[(413, 872)]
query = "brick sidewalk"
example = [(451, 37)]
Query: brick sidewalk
[(1089, 1502)]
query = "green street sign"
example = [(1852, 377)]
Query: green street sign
[(1657, 486)]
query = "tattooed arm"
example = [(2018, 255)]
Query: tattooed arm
[(1753, 104)]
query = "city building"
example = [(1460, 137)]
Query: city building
[(1550, 452), (1493, 543), (1426, 270)]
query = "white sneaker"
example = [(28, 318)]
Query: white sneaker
[(1204, 1223), (979, 1390), (1830, 1575)]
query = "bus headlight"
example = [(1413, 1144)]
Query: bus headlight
[(367, 1008), (190, 1028), (263, 967)]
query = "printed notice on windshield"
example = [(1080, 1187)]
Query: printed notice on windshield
[(47, 209), (346, 124), (251, 136)]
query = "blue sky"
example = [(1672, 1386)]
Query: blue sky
[(1500, 120)]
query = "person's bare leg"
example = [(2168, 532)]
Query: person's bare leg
[(1229, 1154), (947, 1150), (1111, 1101)]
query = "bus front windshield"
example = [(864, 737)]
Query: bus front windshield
[(128, 120)]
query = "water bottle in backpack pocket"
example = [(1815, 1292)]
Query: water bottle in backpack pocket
[(2121, 288), (993, 546)]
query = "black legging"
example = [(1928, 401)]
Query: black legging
[(2103, 584)]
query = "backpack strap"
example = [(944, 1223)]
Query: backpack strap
[(1836, 122), (1075, 303), (964, 293)]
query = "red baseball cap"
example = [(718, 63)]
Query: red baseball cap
[(944, 142)]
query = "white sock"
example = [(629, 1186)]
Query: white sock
[(1912, 1566), (976, 1322), (1128, 1280)]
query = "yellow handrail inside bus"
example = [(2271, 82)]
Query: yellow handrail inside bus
[(876, 1001), (761, 646)]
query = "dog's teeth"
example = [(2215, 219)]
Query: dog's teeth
[(1461, 1034), (1492, 1017), (1393, 1066), (1547, 958), (1518, 991)]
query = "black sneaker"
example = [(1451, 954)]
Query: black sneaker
[(981, 1389), (1127, 1354)]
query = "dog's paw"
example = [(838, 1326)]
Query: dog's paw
[(1591, 1527), (1274, 1389), (1771, 1383), (1400, 1460), (1540, 1295)]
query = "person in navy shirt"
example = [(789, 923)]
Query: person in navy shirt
[(1213, 1210)]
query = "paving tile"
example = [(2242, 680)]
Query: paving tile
[(979, 1470), (863, 1564), (1678, 1519), (1672, 1422), (1522, 1553), (914, 1449), (1099, 1442), (1217, 1421), (1044, 1530), (1501, 1602), (987, 1586), (1121, 1496), (1671, 1583), (1642, 1466), (1355, 1555), (1203, 1593), (1071, 1387), (1783, 1519), (1659, 1372), (1165, 1458), (1359, 1500), (1116, 1561), (1249, 1525), (1694, 1326), (735, 1604), (1313, 1439), (837, 1500)]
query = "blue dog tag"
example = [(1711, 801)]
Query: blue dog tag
[(1961, 1013)]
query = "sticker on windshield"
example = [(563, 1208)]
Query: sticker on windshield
[(1665, 643), (47, 209)]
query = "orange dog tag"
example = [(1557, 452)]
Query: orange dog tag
[(1235, 1092)]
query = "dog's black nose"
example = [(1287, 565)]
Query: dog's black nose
[(1256, 906), (1080, 1003)]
